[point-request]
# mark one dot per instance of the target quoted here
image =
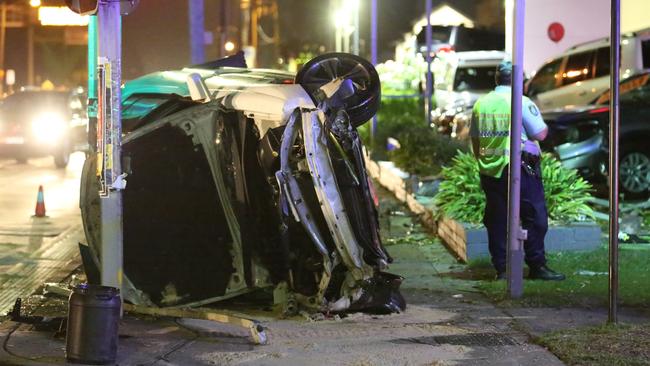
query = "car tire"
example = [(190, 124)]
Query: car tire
[(21, 159), (634, 172), (62, 157)]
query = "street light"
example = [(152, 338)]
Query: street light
[(229, 46), (34, 3), (343, 18)]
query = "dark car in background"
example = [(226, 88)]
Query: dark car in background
[(446, 38), (38, 123), (579, 137)]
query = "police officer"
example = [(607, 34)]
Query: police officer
[(490, 134)]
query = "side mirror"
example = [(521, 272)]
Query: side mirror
[(197, 88)]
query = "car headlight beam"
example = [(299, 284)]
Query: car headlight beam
[(48, 127)]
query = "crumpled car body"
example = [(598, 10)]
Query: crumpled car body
[(261, 185)]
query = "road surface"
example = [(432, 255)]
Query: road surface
[(33, 250)]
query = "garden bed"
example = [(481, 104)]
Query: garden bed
[(469, 242)]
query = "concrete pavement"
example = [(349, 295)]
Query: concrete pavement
[(446, 322)]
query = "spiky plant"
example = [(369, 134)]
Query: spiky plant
[(460, 196)]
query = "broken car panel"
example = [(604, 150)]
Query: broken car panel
[(242, 179)]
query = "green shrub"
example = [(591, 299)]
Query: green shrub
[(460, 195), (394, 116), (424, 151)]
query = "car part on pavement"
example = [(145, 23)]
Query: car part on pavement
[(257, 331)]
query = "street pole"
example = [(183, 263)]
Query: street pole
[(614, 118), (109, 26), (30, 46), (355, 39), (428, 107), (197, 31), (373, 58), (92, 86), (516, 234), (3, 30)]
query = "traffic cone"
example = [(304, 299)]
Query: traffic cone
[(40, 203)]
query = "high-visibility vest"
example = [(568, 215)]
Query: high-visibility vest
[(492, 113)]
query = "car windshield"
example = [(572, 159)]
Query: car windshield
[(474, 78), (24, 101)]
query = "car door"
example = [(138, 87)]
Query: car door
[(585, 76), (543, 85)]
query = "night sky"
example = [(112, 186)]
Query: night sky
[(155, 35)]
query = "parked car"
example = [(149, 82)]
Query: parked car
[(458, 38), (579, 137), (581, 73), (244, 179), (37, 123), (460, 79)]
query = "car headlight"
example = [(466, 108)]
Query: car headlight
[(48, 127)]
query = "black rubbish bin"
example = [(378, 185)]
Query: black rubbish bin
[(93, 319)]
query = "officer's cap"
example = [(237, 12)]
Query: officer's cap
[(504, 71)]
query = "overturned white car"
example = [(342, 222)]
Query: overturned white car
[(241, 179)]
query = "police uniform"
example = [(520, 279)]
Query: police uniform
[(491, 126)]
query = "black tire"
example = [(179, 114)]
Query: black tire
[(90, 205), (634, 172), (320, 70), (62, 158)]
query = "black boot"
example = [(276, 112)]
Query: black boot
[(544, 273)]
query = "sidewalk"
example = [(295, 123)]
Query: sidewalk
[(446, 323)]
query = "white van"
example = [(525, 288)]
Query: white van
[(460, 79), (463, 77), (581, 74)]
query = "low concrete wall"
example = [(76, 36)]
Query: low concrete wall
[(469, 241)]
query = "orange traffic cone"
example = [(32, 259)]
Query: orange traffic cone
[(40, 203)]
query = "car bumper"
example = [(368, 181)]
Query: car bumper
[(588, 157)]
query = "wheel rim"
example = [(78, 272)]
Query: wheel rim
[(635, 172)]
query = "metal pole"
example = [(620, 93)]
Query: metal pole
[(355, 39), (516, 234), (110, 48), (428, 107), (3, 30), (614, 118), (197, 30), (373, 58), (30, 47), (92, 84)]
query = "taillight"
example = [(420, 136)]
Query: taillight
[(599, 110), (373, 193), (448, 48)]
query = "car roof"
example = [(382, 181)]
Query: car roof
[(475, 58)]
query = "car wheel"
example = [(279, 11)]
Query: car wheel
[(61, 160), (634, 173), (21, 159)]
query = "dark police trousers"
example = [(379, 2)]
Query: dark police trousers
[(533, 217)]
